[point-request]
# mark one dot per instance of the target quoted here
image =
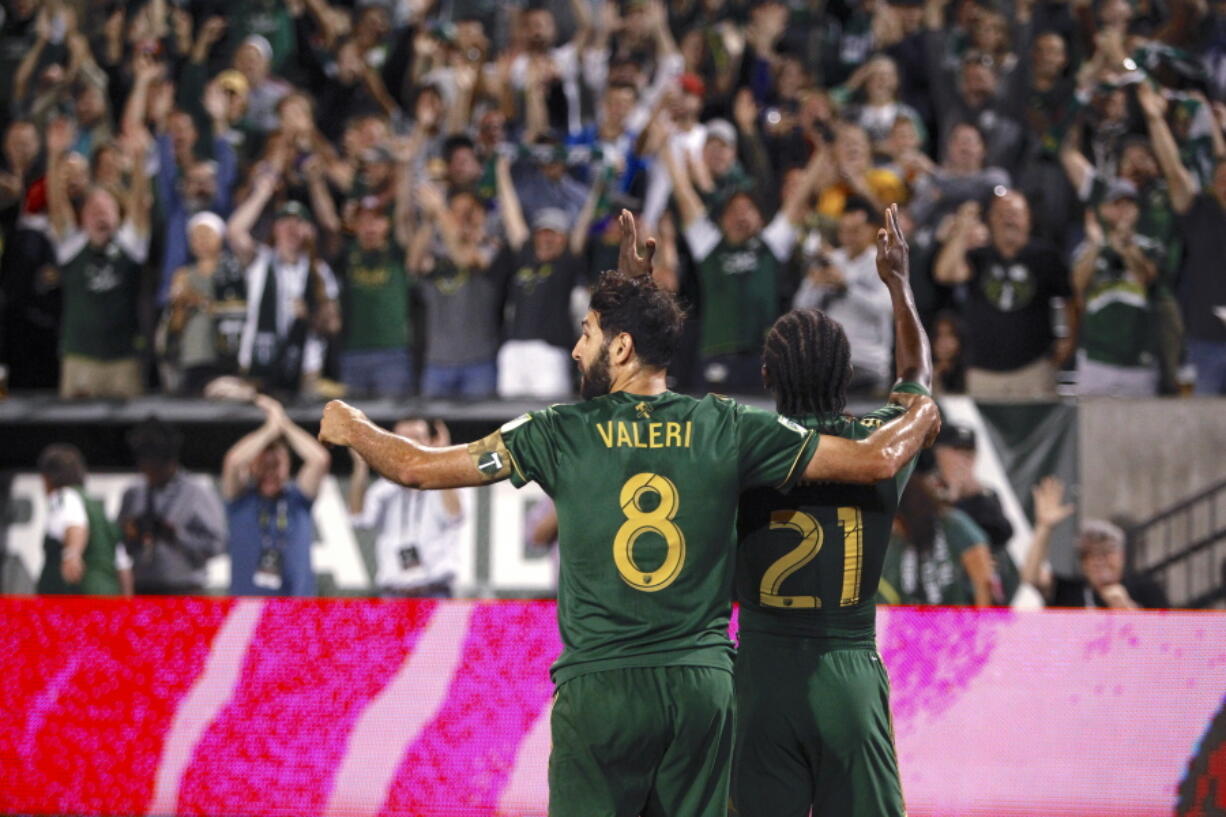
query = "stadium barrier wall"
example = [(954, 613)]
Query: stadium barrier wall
[(360, 708)]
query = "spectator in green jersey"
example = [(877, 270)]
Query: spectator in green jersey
[(101, 261)]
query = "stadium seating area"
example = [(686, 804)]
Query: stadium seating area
[(383, 198)]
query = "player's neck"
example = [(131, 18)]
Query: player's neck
[(640, 380)]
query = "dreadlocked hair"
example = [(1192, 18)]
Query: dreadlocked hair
[(807, 363), (635, 305)]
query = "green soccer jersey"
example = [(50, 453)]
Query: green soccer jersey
[(101, 286), (376, 298), (645, 489), (809, 561)]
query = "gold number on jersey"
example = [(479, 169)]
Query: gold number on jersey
[(851, 520), (811, 537), (640, 521)]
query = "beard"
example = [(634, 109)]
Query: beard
[(595, 381)]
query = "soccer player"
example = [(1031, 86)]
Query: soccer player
[(813, 722), (645, 482)]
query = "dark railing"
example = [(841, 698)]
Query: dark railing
[(1183, 549)]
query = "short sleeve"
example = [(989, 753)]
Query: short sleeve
[(773, 450), (68, 247), (66, 510), (530, 439), (134, 245), (703, 237), (962, 533), (780, 237)]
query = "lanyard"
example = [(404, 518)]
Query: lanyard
[(274, 527)]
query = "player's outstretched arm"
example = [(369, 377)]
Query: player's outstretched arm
[(881, 455), (416, 466), (912, 355)]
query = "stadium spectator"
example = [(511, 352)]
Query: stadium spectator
[(206, 313), (941, 556), (846, 288), (268, 513), (542, 269), (956, 453), (542, 181), (100, 262), (453, 257), (738, 268), (291, 294), (171, 524), (1013, 286), (80, 556), (1202, 221), (1100, 553), (189, 180), (961, 177), (948, 354), (416, 532), (1112, 275), (849, 172), (232, 92)]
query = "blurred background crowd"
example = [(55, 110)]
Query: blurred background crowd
[(392, 197)]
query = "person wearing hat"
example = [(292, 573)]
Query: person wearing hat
[(375, 358), (542, 182), (1113, 271), (542, 271), (253, 59), (172, 525), (738, 264), (291, 294), (202, 329), (955, 454)]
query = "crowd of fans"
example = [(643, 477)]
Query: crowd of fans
[(389, 197)]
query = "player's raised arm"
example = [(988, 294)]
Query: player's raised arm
[(881, 455), (416, 466), (912, 355)]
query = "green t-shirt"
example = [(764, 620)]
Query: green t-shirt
[(935, 577), (808, 562), (1115, 328), (739, 284), (645, 489), (101, 286), (376, 298)]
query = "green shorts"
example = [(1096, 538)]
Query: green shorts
[(650, 741), (813, 732)]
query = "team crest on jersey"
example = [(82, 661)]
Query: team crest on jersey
[(788, 424), (642, 410)]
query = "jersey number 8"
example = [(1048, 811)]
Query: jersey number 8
[(640, 521)]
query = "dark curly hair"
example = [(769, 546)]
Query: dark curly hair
[(636, 305), (807, 363)]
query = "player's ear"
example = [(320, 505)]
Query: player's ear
[(766, 378), (622, 348)]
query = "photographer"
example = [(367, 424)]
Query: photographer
[(171, 525)]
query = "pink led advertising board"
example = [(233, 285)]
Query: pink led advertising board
[(376, 708)]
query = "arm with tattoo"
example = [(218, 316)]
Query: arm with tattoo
[(407, 463)]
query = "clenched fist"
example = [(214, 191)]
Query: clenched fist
[(338, 422)]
